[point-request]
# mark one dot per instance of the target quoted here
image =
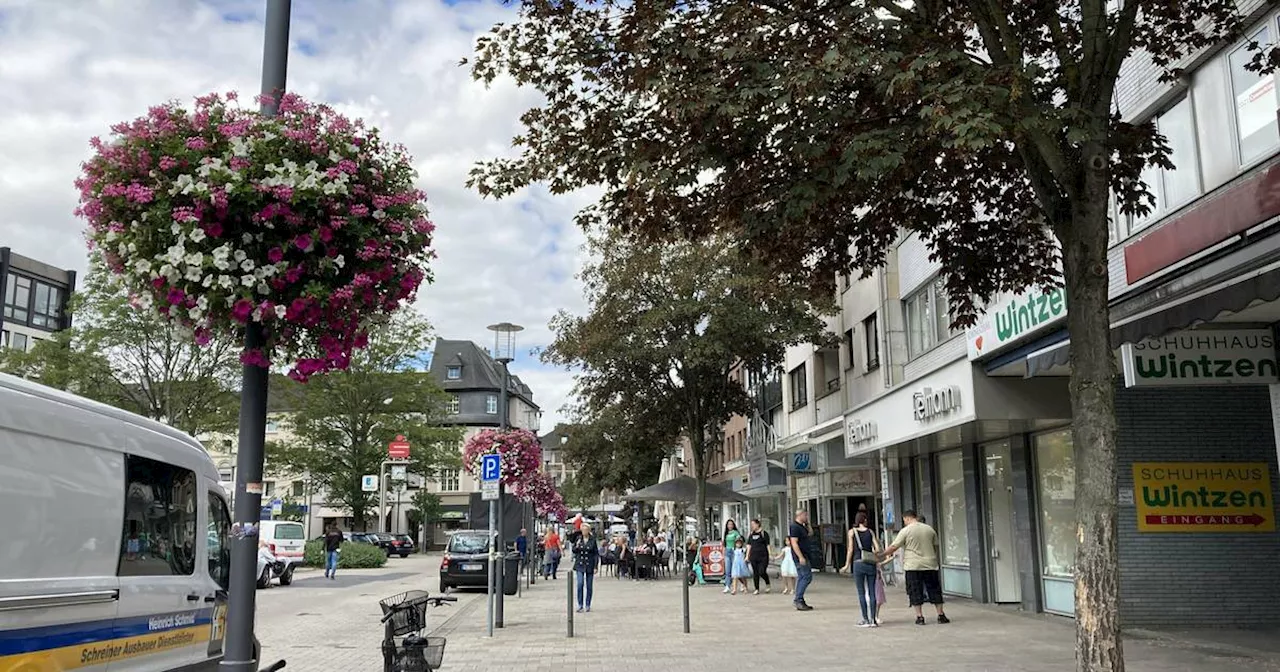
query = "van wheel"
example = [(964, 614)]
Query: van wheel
[(287, 578), (264, 581)]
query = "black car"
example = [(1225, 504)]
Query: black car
[(389, 544), (466, 560), (406, 544)]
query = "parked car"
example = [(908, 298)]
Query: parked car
[(390, 544), (286, 540), (466, 560), (406, 544)]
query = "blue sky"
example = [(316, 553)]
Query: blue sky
[(72, 69)]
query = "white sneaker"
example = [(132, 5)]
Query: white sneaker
[(726, 591), (756, 593)]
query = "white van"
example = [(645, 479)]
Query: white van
[(114, 539), (287, 541)]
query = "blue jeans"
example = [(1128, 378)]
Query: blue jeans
[(804, 577), (586, 580), (864, 577), (331, 563)]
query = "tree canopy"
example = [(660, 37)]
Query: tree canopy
[(338, 425), (667, 324), (609, 451)]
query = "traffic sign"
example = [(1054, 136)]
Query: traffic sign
[(491, 468), (488, 491), (369, 483), (398, 449), (277, 506), (399, 472)]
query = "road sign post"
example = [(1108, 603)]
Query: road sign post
[(490, 479)]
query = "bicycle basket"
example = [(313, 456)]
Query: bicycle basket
[(423, 655), (408, 611)]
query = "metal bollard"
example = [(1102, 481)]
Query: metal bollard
[(568, 609)]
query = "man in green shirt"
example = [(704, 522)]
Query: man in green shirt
[(919, 544)]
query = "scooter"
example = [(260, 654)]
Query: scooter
[(270, 567)]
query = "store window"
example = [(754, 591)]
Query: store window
[(1056, 489), (952, 506), (159, 520), (1255, 101), (1173, 188), (928, 318)]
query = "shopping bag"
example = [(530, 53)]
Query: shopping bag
[(880, 590)]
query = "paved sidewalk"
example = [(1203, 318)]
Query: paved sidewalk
[(637, 626)]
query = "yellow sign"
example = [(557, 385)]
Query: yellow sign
[(1230, 497)]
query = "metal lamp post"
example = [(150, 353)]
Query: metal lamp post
[(239, 654), (504, 352)]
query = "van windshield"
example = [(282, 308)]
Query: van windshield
[(288, 532), (469, 543)]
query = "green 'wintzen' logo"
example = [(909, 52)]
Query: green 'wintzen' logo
[(1026, 314), (1203, 367)]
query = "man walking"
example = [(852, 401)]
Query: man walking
[(522, 546), (798, 540), (919, 544), (332, 544)]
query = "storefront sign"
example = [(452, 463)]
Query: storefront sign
[(855, 483), (1202, 357), (712, 554), (1012, 317), (930, 402), (859, 431), (808, 487), (1230, 497), (891, 414), (802, 462)]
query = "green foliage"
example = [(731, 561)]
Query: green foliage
[(667, 323), (135, 360), (351, 555), (425, 507), (341, 422), (580, 490)]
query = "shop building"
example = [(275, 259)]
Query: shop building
[(35, 300)]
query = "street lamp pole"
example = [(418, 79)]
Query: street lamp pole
[(504, 353)]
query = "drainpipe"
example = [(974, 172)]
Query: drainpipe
[(4, 276), (886, 350)]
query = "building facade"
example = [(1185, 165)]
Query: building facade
[(35, 300)]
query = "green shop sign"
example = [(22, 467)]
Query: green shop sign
[(1013, 317), (1202, 357)]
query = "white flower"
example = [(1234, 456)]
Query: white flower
[(193, 274), (111, 236), (246, 265), (194, 259), (281, 311), (195, 313), (240, 256), (203, 302), (264, 288), (207, 282), (248, 281), (176, 228), (142, 267), (176, 253), (247, 238), (339, 261), (197, 235), (226, 282), (379, 214)]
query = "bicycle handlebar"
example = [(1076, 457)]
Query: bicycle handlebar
[(430, 600)]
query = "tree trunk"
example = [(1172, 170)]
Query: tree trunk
[(700, 473), (1097, 585)]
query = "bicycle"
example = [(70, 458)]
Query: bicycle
[(405, 615)]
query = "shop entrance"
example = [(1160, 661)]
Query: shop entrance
[(1003, 565)]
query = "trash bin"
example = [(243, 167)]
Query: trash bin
[(511, 574)]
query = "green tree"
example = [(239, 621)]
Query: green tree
[(611, 451), (136, 360), (425, 509), (667, 323), (815, 131), (339, 424), (578, 492)]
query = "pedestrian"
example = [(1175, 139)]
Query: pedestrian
[(522, 546), (919, 544), (551, 546), (586, 558), (730, 537), (332, 547), (758, 556), (798, 540), (787, 570), (864, 566), (738, 567)]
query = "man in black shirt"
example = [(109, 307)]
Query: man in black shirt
[(332, 543), (798, 540), (758, 555)]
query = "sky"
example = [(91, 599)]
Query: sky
[(71, 69)]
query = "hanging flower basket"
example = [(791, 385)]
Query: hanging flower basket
[(306, 223), (520, 450)]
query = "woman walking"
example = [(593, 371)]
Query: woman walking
[(758, 556), (865, 568), (586, 558), (731, 537)]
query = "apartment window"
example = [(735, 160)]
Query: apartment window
[(1174, 188), (827, 370), (928, 318), (846, 281), (491, 404), (848, 344), (564, 439), (224, 475), (47, 309), (453, 373), (455, 404), (268, 488), (159, 520), (799, 387), (298, 488), (871, 342), (18, 341), (1255, 103), (272, 426), (17, 299), (448, 480)]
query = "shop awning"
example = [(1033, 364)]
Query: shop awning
[(831, 429), (1145, 316)]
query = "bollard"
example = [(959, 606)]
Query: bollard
[(568, 609)]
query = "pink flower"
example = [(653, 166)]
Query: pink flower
[(303, 242), (214, 229), (326, 234), (168, 163), (197, 143), (359, 210), (255, 358), (176, 296), (242, 310), (275, 255)]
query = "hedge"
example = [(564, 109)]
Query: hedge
[(352, 556)]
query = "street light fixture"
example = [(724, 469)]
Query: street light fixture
[(504, 352)]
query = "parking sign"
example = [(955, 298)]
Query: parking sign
[(491, 468)]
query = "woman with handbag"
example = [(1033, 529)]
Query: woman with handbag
[(866, 569)]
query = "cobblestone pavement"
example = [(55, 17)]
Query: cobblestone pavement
[(333, 625)]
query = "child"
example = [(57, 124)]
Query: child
[(738, 564), (787, 571)]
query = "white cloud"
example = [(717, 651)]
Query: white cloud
[(70, 70)]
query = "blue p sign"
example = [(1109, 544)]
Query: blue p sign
[(491, 468)]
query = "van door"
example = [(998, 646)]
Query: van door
[(161, 594), (217, 559)]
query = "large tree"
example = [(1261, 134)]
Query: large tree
[(667, 323), (610, 450), (135, 359), (339, 425), (814, 131)]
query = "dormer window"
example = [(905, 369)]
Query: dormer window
[(453, 373)]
